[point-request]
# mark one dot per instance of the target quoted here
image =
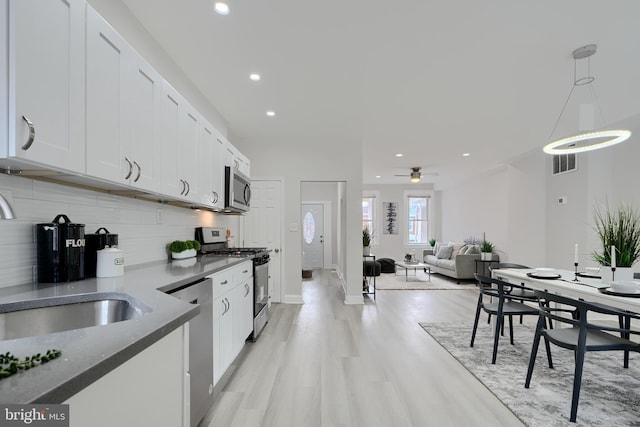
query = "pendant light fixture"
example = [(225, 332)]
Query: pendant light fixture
[(595, 137)]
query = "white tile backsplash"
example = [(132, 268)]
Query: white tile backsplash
[(134, 220)]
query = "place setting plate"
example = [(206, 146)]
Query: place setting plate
[(544, 273), (622, 289)]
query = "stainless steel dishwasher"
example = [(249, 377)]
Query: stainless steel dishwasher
[(200, 346)]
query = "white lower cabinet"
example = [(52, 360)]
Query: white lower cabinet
[(232, 315), (147, 390)]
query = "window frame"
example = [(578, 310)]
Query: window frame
[(405, 216), (376, 220)]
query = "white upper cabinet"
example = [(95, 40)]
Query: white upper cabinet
[(210, 168), (123, 101), (179, 140), (217, 171), (235, 159), (46, 82)]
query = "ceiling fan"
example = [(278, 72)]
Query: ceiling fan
[(415, 174)]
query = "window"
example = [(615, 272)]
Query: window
[(564, 163), (370, 209), (417, 219)]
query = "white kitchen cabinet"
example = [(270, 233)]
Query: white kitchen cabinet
[(46, 80), (123, 101), (146, 390), (210, 168), (235, 159), (179, 136), (232, 315), (242, 314)]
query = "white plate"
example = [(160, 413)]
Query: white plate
[(545, 269), (624, 286), (549, 274)]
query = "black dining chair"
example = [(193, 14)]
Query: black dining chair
[(579, 334), (524, 292), (500, 304)]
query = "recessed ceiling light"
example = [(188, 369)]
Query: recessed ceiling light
[(466, 154), (378, 176), (399, 155), (254, 76), (271, 113), (221, 8)]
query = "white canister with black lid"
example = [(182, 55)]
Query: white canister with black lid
[(110, 262)]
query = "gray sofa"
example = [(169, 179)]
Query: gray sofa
[(459, 264)]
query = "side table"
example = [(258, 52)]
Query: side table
[(369, 275), (485, 264)]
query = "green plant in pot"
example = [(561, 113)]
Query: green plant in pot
[(486, 250), (432, 242), (366, 241), (181, 249), (619, 228)]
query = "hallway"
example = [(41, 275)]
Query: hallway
[(325, 363)]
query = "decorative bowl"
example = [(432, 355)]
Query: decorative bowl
[(624, 286)]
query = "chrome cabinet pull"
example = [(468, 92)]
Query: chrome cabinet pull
[(224, 282), (247, 288), (130, 168), (32, 133), (188, 188), (139, 171), (184, 186)]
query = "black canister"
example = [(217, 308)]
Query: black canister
[(96, 242), (60, 247)]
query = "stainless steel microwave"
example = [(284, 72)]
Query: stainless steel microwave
[(237, 196)]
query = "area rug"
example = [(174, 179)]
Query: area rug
[(610, 394), (419, 280)]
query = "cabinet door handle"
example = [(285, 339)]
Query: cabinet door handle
[(32, 133), (224, 307), (184, 186), (130, 168), (224, 282), (247, 288), (139, 171), (245, 271), (188, 188)]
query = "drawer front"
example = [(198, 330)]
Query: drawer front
[(242, 272), (222, 282)]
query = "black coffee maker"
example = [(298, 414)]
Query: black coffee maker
[(60, 247)]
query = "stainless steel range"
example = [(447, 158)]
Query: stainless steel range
[(213, 241)]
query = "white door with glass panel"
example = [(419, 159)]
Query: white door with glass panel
[(312, 236)]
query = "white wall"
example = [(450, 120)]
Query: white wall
[(312, 159), (393, 245), (140, 236)]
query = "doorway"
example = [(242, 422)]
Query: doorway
[(312, 236)]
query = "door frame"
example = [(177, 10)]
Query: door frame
[(327, 225)]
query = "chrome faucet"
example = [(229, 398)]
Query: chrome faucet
[(6, 211)]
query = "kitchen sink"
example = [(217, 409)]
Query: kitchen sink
[(47, 315)]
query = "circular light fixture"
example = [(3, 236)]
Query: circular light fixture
[(254, 76), (221, 8), (271, 113), (613, 137)]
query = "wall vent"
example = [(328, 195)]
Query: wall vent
[(563, 163)]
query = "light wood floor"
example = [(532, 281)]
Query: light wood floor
[(325, 363)]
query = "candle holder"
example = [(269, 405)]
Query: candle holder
[(575, 279), (613, 274)]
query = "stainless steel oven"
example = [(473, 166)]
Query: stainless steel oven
[(237, 195), (261, 293)]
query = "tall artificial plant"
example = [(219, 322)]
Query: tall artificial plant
[(366, 237), (619, 228)]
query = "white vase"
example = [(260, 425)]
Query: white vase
[(366, 250), (622, 273), (189, 253), (486, 256)]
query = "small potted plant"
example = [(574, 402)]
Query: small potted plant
[(432, 242), (408, 257), (486, 250), (181, 249), (366, 241), (618, 230)]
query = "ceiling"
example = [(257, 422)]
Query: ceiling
[(429, 79)]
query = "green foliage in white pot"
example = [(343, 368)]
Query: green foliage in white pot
[(366, 237), (619, 228), (486, 246)]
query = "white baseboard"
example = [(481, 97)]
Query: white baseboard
[(293, 299)]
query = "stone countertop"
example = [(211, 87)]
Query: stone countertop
[(90, 353)]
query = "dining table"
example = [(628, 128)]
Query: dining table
[(563, 282)]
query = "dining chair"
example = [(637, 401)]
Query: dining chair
[(500, 304), (524, 292), (579, 334)]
